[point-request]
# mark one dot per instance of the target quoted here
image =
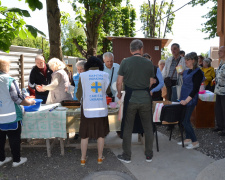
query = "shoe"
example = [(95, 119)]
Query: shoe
[(7, 159), (22, 160), (101, 160), (123, 159), (185, 143), (191, 146), (221, 133), (217, 130), (83, 161), (148, 159)]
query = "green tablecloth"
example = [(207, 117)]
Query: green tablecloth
[(44, 124)]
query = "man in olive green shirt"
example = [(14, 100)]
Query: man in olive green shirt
[(137, 74)]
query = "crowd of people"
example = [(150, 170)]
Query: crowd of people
[(177, 78)]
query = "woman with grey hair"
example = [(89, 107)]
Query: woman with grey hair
[(209, 74), (80, 69), (60, 81), (10, 115), (192, 79)]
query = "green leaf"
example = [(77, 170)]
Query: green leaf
[(34, 4), (34, 31), (22, 34), (21, 12)]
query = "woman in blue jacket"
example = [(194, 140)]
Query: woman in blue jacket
[(192, 79)]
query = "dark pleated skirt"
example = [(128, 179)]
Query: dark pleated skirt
[(93, 128)]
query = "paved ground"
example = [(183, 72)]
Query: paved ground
[(172, 162)]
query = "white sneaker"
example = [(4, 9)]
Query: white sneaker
[(22, 160), (185, 143), (7, 159), (191, 146)]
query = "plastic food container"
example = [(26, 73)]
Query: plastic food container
[(112, 104), (35, 107), (108, 100)]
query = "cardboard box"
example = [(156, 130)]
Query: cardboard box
[(154, 104)]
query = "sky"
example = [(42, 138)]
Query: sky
[(186, 28)]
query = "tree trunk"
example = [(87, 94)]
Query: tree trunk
[(54, 29)]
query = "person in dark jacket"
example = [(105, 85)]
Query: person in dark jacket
[(40, 75)]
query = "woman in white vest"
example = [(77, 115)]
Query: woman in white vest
[(92, 88), (60, 81), (10, 115)]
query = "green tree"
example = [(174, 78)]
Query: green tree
[(94, 11), (70, 30), (151, 18), (38, 42), (210, 26), (13, 25)]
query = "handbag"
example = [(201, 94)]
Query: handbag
[(168, 80)]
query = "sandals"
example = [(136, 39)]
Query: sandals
[(101, 160)]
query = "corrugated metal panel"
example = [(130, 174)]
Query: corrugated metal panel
[(29, 55), (121, 49)]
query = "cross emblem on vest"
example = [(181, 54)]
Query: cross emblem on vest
[(96, 87)]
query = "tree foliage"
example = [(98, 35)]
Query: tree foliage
[(102, 18), (151, 18), (38, 42), (70, 30), (210, 26), (13, 25)]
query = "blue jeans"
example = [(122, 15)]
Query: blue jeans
[(190, 134)]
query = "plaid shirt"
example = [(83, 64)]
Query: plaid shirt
[(15, 93)]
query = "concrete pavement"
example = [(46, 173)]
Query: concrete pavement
[(172, 162)]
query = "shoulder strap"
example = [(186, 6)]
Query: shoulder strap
[(111, 76), (175, 67)]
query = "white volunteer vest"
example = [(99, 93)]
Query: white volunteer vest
[(7, 106), (94, 85)]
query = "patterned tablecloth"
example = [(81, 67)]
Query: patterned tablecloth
[(44, 124)]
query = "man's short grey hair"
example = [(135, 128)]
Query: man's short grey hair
[(39, 57), (136, 45), (81, 63), (161, 61), (109, 55)]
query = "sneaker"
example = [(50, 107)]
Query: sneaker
[(101, 160), (83, 161), (7, 159), (185, 143), (217, 130), (148, 159), (22, 160), (221, 133), (191, 146), (123, 159)]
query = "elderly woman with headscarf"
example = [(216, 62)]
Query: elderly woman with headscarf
[(209, 74), (10, 115), (60, 81)]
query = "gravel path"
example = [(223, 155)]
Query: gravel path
[(40, 167), (211, 144)]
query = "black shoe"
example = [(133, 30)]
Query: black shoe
[(123, 159), (217, 130), (149, 158), (76, 136), (221, 133)]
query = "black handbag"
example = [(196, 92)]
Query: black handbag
[(168, 80)]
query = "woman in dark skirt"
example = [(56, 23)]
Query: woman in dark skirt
[(92, 89)]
